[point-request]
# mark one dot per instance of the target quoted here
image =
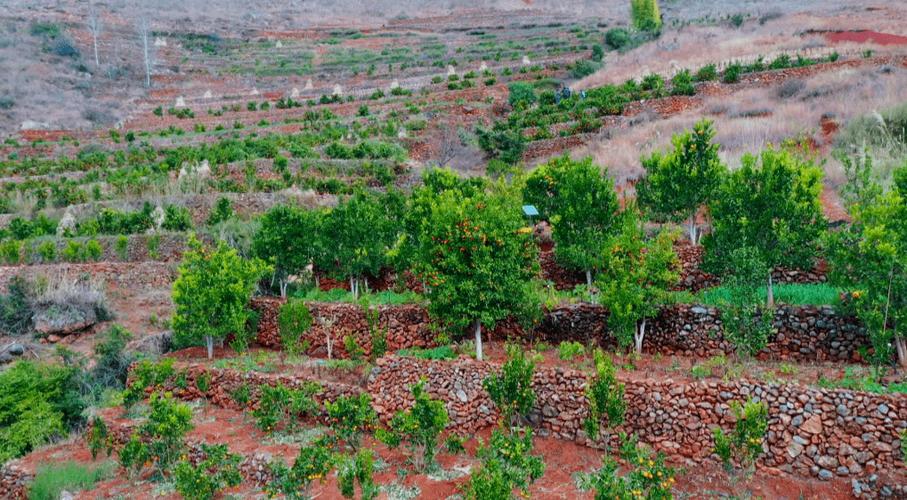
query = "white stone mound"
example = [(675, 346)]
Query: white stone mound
[(451, 70), (160, 42), (395, 84), (294, 93), (278, 45), (526, 61), (338, 90), (254, 91), (401, 134), (180, 102), (308, 85), (208, 94), (483, 66), (67, 224), (157, 217), (33, 125)]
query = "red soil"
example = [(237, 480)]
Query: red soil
[(866, 37)]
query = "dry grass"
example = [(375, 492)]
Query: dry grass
[(742, 126)]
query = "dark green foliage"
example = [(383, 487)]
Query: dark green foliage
[(111, 360), (732, 73), (419, 427), (682, 83), (506, 465), (351, 417), (293, 321), (280, 408), (707, 73), (747, 323), (605, 396), (15, 307), (646, 477), (313, 463), (771, 204), (38, 402), (511, 389), (161, 439), (177, 218), (678, 183), (203, 481), (358, 468), (222, 210), (745, 444), (52, 479), (501, 143), (617, 38), (290, 239), (521, 94), (584, 68)]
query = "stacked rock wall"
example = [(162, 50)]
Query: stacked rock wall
[(403, 326), (804, 333), (812, 432)]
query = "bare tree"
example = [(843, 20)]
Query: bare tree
[(143, 27), (94, 27)]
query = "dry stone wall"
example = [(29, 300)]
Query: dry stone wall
[(803, 333), (814, 432), (404, 326)]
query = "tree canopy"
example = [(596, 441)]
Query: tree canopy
[(290, 239), (478, 260), (771, 203), (211, 294), (679, 182)]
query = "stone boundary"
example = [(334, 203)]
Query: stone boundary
[(803, 333)]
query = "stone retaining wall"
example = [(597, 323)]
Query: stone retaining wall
[(404, 326), (812, 432), (803, 333)]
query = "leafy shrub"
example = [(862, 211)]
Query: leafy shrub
[(584, 68), (646, 15), (281, 407), (122, 247), (511, 389), (350, 417), (313, 463), (454, 444), (293, 321), (111, 359), (241, 395), (744, 444), (177, 218), (706, 73), (521, 94), (93, 250), (617, 38), (52, 479), (219, 470), (732, 73), (567, 350), (160, 440), (148, 374), (647, 477), (506, 464), (605, 396), (15, 307), (352, 348), (501, 143), (419, 427), (38, 402), (358, 468), (99, 438), (11, 252), (682, 83)]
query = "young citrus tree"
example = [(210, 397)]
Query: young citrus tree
[(678, 183), (289, 239), (359, 232), (582, 207), (871, 255), (771, 203), (211, 294), (478, 260), (636, 275)]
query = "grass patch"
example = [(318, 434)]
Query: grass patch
[(262, 361), (385, 298), (51, 479), (435, 353), (860, 379), (791, 294)]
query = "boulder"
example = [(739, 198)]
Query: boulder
[(63, 319)]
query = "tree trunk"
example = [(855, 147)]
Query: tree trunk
[(478, 329), (770, 292), (209, 343), (589, 285), (640, 335), (691, 229), (283, 288), (97, 60), (365, 283), (147, 55), (901, 346)]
